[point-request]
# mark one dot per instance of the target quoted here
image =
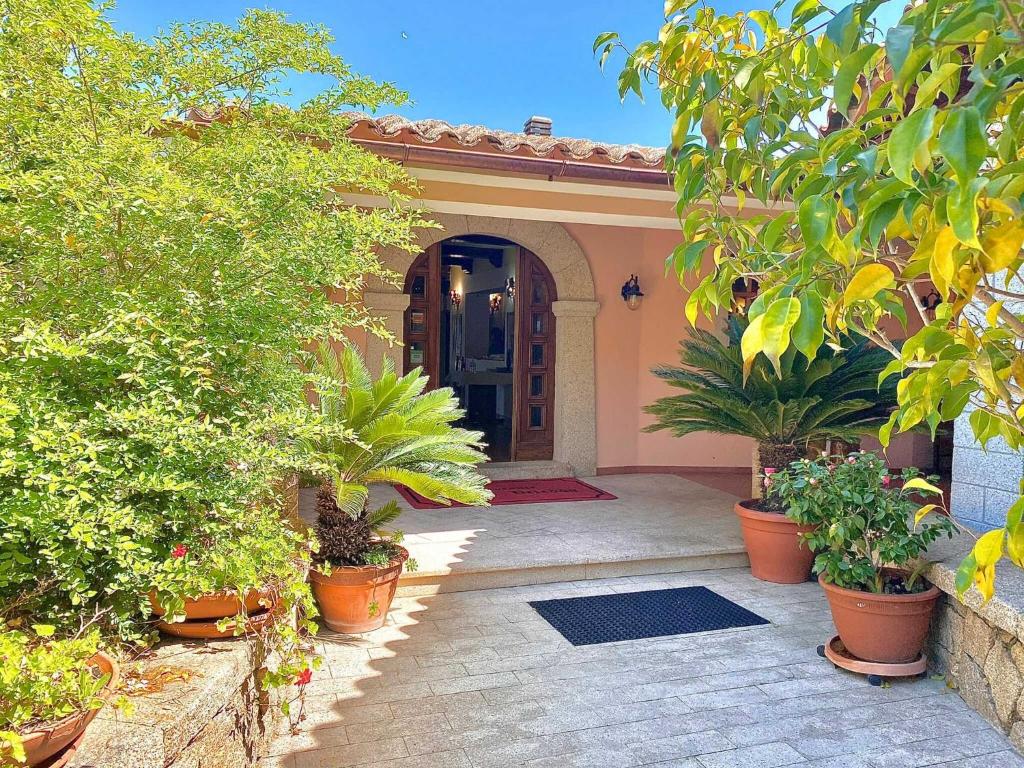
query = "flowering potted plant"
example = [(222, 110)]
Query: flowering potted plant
[(783, 406), (775, 542), (385, 431), (868, 530), (225, 579), (50, 690)]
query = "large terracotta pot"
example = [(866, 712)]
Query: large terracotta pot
[(48, 741), (204, 612), (776, 551), (346, 596), (885, 628)]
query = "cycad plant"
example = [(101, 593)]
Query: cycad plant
[(386, 430), (833, 396)]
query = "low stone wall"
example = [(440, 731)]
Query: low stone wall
[(979, 649), (202, 707)]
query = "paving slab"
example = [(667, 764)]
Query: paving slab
[(406, 696)]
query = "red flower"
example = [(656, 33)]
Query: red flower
[(304, 677), (179, 551)]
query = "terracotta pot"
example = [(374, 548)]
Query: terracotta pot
[(346, 595), (217, 605), (773, 543), (885, 628), (202, 614), (46, 743)]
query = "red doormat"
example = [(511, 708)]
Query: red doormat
[(522, 492)]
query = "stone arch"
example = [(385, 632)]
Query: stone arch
[(575, 413)]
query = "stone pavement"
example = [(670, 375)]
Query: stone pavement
[(479, 680)]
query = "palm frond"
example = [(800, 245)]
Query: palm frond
[(834, 395)]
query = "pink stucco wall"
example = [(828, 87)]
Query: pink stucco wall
[(630, 343)]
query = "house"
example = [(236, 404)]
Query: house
[(520, 301)]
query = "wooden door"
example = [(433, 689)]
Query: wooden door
[(533, 434), (422, 317)]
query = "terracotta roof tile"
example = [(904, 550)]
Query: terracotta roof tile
[(509, 142)]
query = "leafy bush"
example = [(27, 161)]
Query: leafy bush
[(168, 244), (866, 520), (42, 681), (397, 434)]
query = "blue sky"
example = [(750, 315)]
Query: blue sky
[(487, 62)]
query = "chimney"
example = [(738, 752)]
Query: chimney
[(537, 126)]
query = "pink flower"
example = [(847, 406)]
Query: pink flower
[(770, 470), (813, 481), (179, 551), (304, 677), (886, 480), (851, 459)]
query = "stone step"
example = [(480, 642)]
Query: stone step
[(526, 470), (418, 583)]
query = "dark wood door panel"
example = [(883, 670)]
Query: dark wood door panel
[(533, 437), (422, 317)]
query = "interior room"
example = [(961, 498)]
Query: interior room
[(477, 336)]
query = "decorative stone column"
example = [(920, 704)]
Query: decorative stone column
[(575, 391), (390, 307)]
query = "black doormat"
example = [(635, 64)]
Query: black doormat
[(635, 615)]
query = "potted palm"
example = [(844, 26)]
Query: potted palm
[(834, 396), (868, 528), (388, 431)]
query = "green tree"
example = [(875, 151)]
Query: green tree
[(915, 180), (831, 396), (170, 239)]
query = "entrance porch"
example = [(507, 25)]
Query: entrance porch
[(657, 524)]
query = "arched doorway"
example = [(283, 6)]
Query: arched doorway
[(480, 321)]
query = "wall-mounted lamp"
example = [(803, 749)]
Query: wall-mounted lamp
[(930, 302), (495, 303), (456, 299), (744, 291), (631, 292), (510, 288)]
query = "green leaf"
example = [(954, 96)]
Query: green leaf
[(869, 280), (962, 210), (896, 366), (815, 217), (908, 144), (963, 144), (843, 28), (965, 574), (44, 630), (778, 321), (848, 74), (897, 45), (809, 331)]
